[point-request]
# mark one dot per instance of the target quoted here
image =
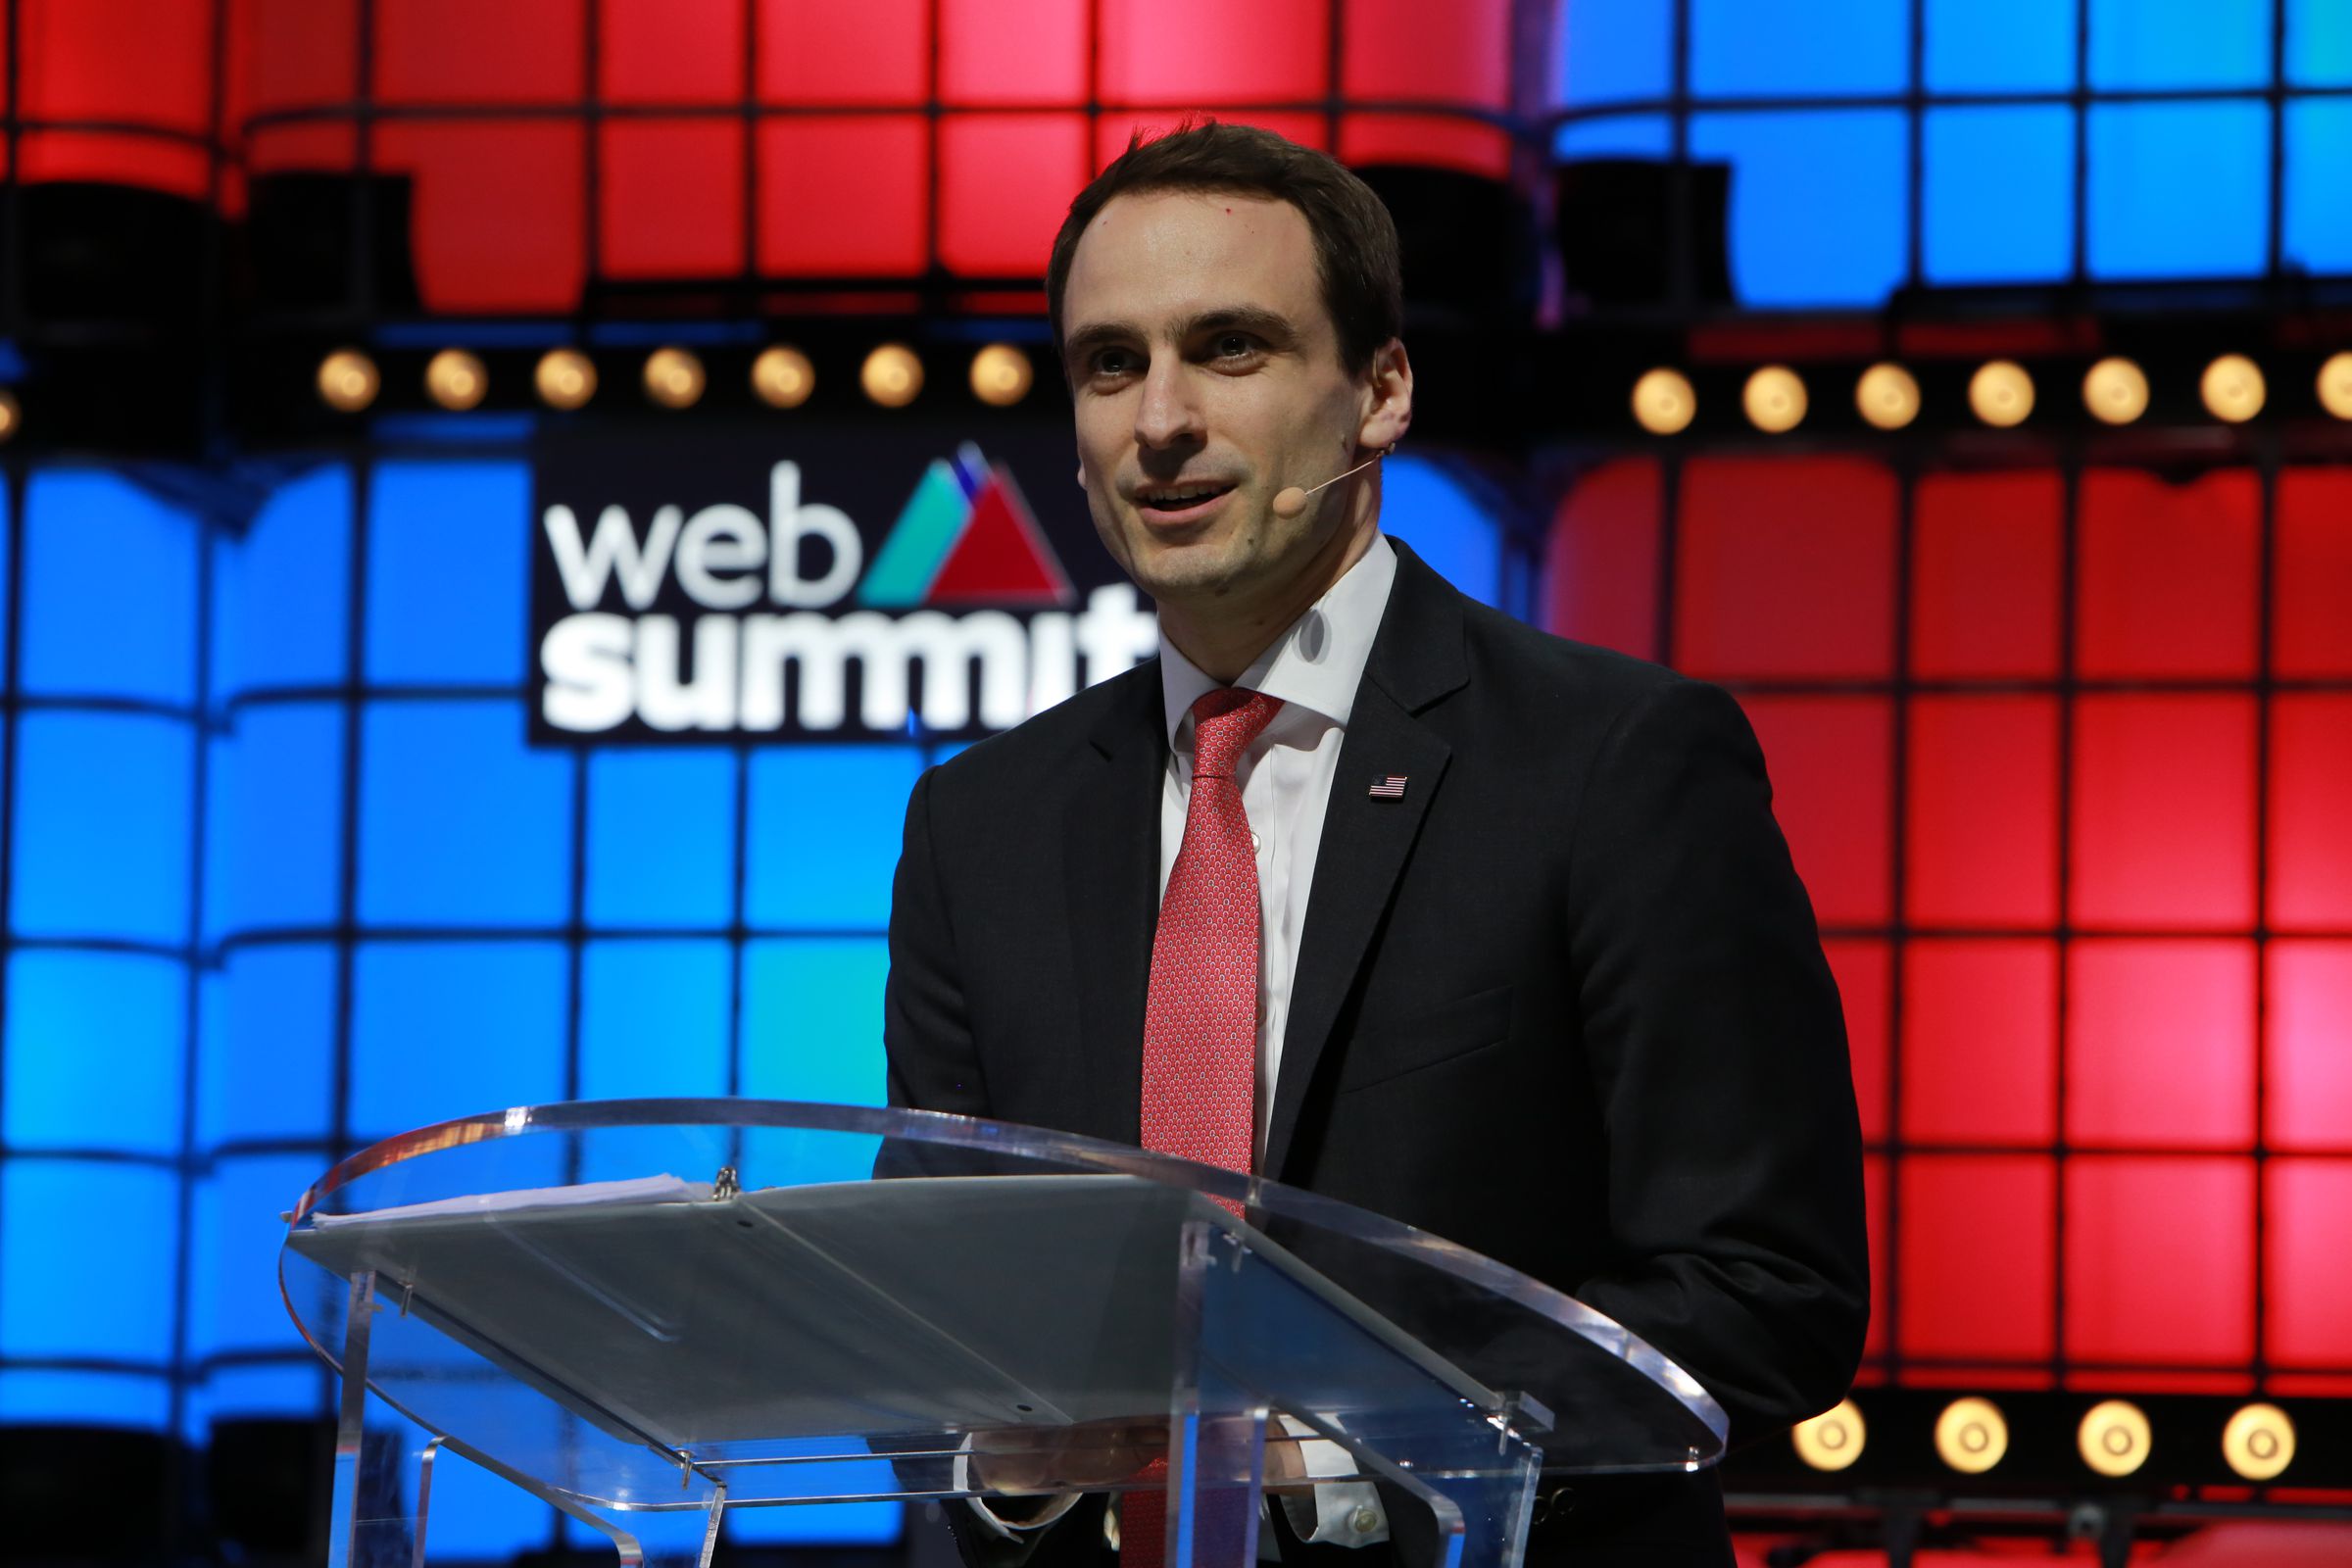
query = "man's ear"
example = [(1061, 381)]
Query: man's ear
[(1388, 397)]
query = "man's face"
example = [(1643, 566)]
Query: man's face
[(1205, 371)]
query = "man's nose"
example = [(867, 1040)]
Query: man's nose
[(1167, 414)]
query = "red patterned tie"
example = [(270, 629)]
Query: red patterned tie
[(1201, 1019), (1201, 1041)]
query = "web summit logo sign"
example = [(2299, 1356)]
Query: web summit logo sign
[(675, 621)]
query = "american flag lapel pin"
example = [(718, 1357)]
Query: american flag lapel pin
[(1387, 787)]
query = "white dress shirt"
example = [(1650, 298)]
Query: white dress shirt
[(1286, 776)]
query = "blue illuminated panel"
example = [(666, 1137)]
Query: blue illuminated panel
[(234, 1301), (1614, 136), (2143, 157), (2017, 162), (2169, 44), (445, 1029), (280, 590), (460, 822), (812, 1019), (63, 1297), (1613, 50), (654, 1018), (2317, 228), (2318, 44), (268, 1063), (110, 590), (1830, 47), (274, 848), (102, 829), (1438, 515), (94, 1052), (1982, 46), (447, 572), (37, 1396), (1817, 203), (661, 838), (824, 834)]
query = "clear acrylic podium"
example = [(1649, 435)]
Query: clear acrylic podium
[(649, 1313)]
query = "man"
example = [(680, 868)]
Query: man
[(1551, 990)]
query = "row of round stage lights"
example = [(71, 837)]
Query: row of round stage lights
[(783, 378), (2115, 391), (2114, 1438)]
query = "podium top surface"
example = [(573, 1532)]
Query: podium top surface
[(617, 1290)]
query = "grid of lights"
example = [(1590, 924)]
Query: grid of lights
[(2002, 394), (2114, 1439), (889, 375)]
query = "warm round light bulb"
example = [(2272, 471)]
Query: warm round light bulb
[(1971, 1436), (2335, 385), (348, 380), (1664, 403), (12, 413), (2114, 1438), (1001, 375), (673, 378), (1774, 399), (2002, 393), (456, 379), (2115, 391), (2233, 389), (1886, 396), (892, 376), (1831, 1439), (783, 378), (565, 378), (2259, 1443)]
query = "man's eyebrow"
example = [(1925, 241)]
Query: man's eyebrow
[(1272, 326), (1093, 335)]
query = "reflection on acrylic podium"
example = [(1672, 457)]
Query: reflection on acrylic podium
[(647, 1313)]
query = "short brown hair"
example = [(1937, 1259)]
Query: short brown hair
[(1356, 238)]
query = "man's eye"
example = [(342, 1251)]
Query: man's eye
[(1114, 362), (1232, 345)]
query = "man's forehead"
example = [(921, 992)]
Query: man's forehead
[(1162, 257)]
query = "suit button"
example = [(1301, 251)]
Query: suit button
[(1364, 1520)]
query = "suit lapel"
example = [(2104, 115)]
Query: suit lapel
[(1110, 871), (1417, 660)]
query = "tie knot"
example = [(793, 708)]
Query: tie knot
[(1224, 723)]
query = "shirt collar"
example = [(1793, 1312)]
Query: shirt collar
[(1318, 660)]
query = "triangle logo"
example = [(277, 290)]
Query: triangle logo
[(1002, 557)]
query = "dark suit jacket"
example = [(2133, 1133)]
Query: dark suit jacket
[(1564, 1003)]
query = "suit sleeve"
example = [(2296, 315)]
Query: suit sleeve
[(926, 1027), (1718, 1048)]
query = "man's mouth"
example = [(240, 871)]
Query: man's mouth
[(1178, 500)]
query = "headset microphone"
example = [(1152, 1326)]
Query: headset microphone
[(1289, 503)]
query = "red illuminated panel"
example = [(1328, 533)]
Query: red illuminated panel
[(299, 52), (131, 62), (1861, 970), (2311, 810), (2168, 574), (2306, 1267), (2160, 1043), (2162, 828), (1391, 51), (1985, 573), (1437, 140), (1019, 52), (1006, 184), (2310, 629), (1980, 1042), (1829, 762), (2160, 1260), (1787, 568), (1214, 51), (463, 52), (671, 51), (1975, 1250), (2306, 1061), (1875, 1188), (497, 217), (1983, 829), (842, 196), (1601, 568), (175, 167), (1115, 130), (672, 194), (821, 52), (328, 145)]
